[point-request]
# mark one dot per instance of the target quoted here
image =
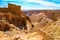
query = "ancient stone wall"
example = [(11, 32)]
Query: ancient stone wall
[(11, 8), (5, 10), (14, 9)]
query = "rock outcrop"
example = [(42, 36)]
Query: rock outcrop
[(14, 15)]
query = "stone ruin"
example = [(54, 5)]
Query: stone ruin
[(14, 15), (11, 8)]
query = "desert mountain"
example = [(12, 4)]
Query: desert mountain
[(41, 25)]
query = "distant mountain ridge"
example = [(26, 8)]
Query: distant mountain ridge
[(30, 12)]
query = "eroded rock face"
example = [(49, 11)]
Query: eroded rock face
[(41, 20), (13, 19), (9, 31), (5, 26), (49, 24), (14, 15), (37, 34)]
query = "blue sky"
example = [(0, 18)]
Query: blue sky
[(33, 4)]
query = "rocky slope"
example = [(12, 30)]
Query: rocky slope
[(49, 24)]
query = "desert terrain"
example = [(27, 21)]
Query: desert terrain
[(16, 24)]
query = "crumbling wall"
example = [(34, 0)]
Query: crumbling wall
[(11, 8), (14, 9), (4, 10)]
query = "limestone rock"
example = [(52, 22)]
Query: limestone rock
[(38, 35)]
